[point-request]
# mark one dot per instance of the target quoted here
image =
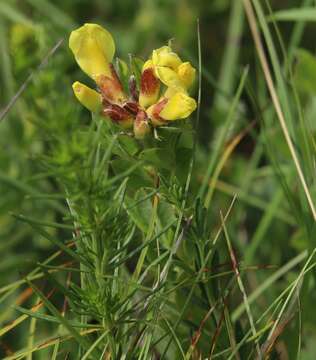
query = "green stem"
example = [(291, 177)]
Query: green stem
[(149, 234)]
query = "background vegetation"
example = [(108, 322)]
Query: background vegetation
[(228, 266)]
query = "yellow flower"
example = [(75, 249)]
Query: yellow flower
[(177, 76), (93, 48), (171, 71)]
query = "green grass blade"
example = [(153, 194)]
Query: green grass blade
[(294, 14), (61, 319)]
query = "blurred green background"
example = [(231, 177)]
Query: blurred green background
[(47, 110)]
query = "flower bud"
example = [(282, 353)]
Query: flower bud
[(141, 125)]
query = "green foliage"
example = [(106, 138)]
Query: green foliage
[(196, 242)]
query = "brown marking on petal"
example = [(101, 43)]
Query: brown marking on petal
[(158, 108), (155, 114), (141, 116), (132, 107), (110, 87), (107, 88), (117, 113), (149, 83)]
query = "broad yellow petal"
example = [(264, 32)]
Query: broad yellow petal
[(168, 76), (93, 48), (88, 97), (179, 106), (156, 54), (186, 73), (171, 91)]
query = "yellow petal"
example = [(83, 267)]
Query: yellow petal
[(168, 77), (171, 91), (148, 64), (162, 50), (89, 98), (146, 100), (164, 56), (179, 106), (93, 48), (186, 73), (156, 54)]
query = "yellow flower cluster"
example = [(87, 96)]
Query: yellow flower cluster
[(163, 93)]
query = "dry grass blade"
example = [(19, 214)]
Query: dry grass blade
[(268, 77), (48, 343), (241, 286), (197, 335), (20, 319), (222, 161)]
